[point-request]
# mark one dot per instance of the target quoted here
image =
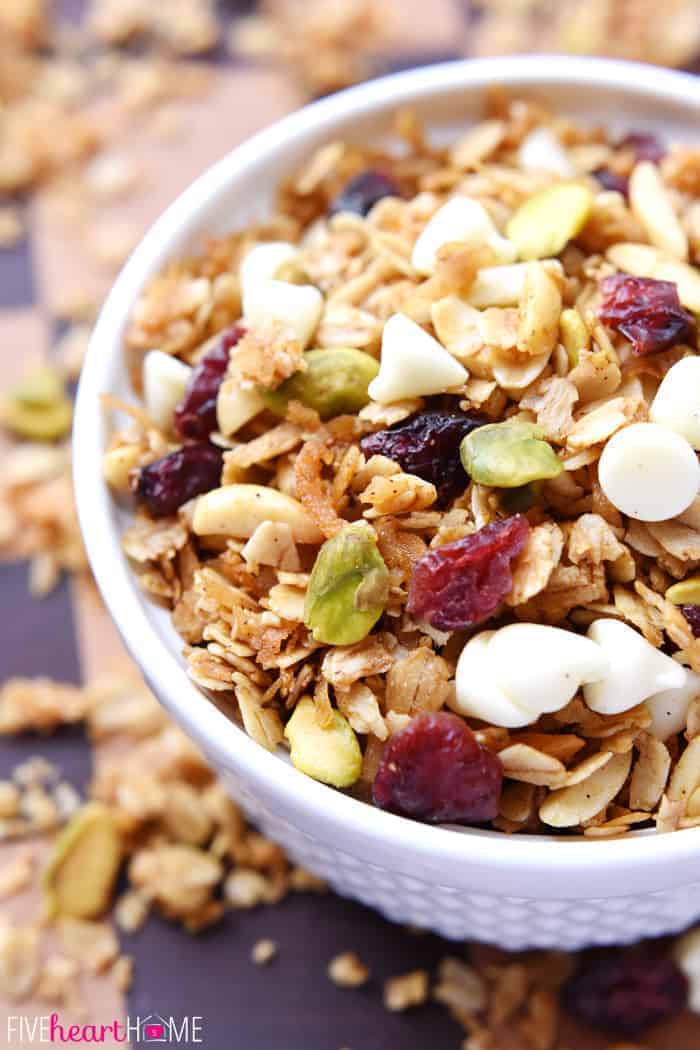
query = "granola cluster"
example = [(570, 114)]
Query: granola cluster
[(155, 811), (327, 590)]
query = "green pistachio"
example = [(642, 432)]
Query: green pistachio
[(292, 272), (508, 455), (348, 588), (330, 754), (574, 335), (82, 869), (37, 424), (40, 389), (520, 499), (545, 223), (38, 408), (335, 381), (687, 592)]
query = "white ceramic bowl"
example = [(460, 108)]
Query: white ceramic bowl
[(515, 891)]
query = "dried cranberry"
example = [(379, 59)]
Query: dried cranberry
[(644, 145), (195, 416), (610, 180), (625, 994), (362, 192), (462, 583), (648, 312), (436, 770), (428, 445), (181, 475), (692, 615)]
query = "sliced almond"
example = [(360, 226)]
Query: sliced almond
[(686, 775), (237, 510), (574, 804), (587, 768), (651, 203), (538, 316), (516, 802), (650, 773), (527, 764)]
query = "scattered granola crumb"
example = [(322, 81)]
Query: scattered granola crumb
[(93, 945), (131, 911), (11, 227), (264, 951), (59, 980), (9, 799), (16, 874), (406, 991), (122, 972), (348, 971), (38, 704), (245, 889)]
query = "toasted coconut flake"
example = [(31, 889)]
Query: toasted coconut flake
[(311, 489), (344, 665), (272, 443), (533, 567), (147, 539), (419, 681), (552, 401)]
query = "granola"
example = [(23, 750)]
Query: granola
[(327, 587)]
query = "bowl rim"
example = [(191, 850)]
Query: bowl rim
[(662, 857)]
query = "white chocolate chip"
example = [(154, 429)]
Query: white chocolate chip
[(262, 264), (460, 219), (649, 472), (669, 710), (476, 693), (540, 668), (677, 401), (512, 676), (298, 306), (413, 364), (651, 203), (637, 669), (165, 379), (541, 150)]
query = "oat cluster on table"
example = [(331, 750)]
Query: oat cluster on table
[(155, 811), (416, 473)]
